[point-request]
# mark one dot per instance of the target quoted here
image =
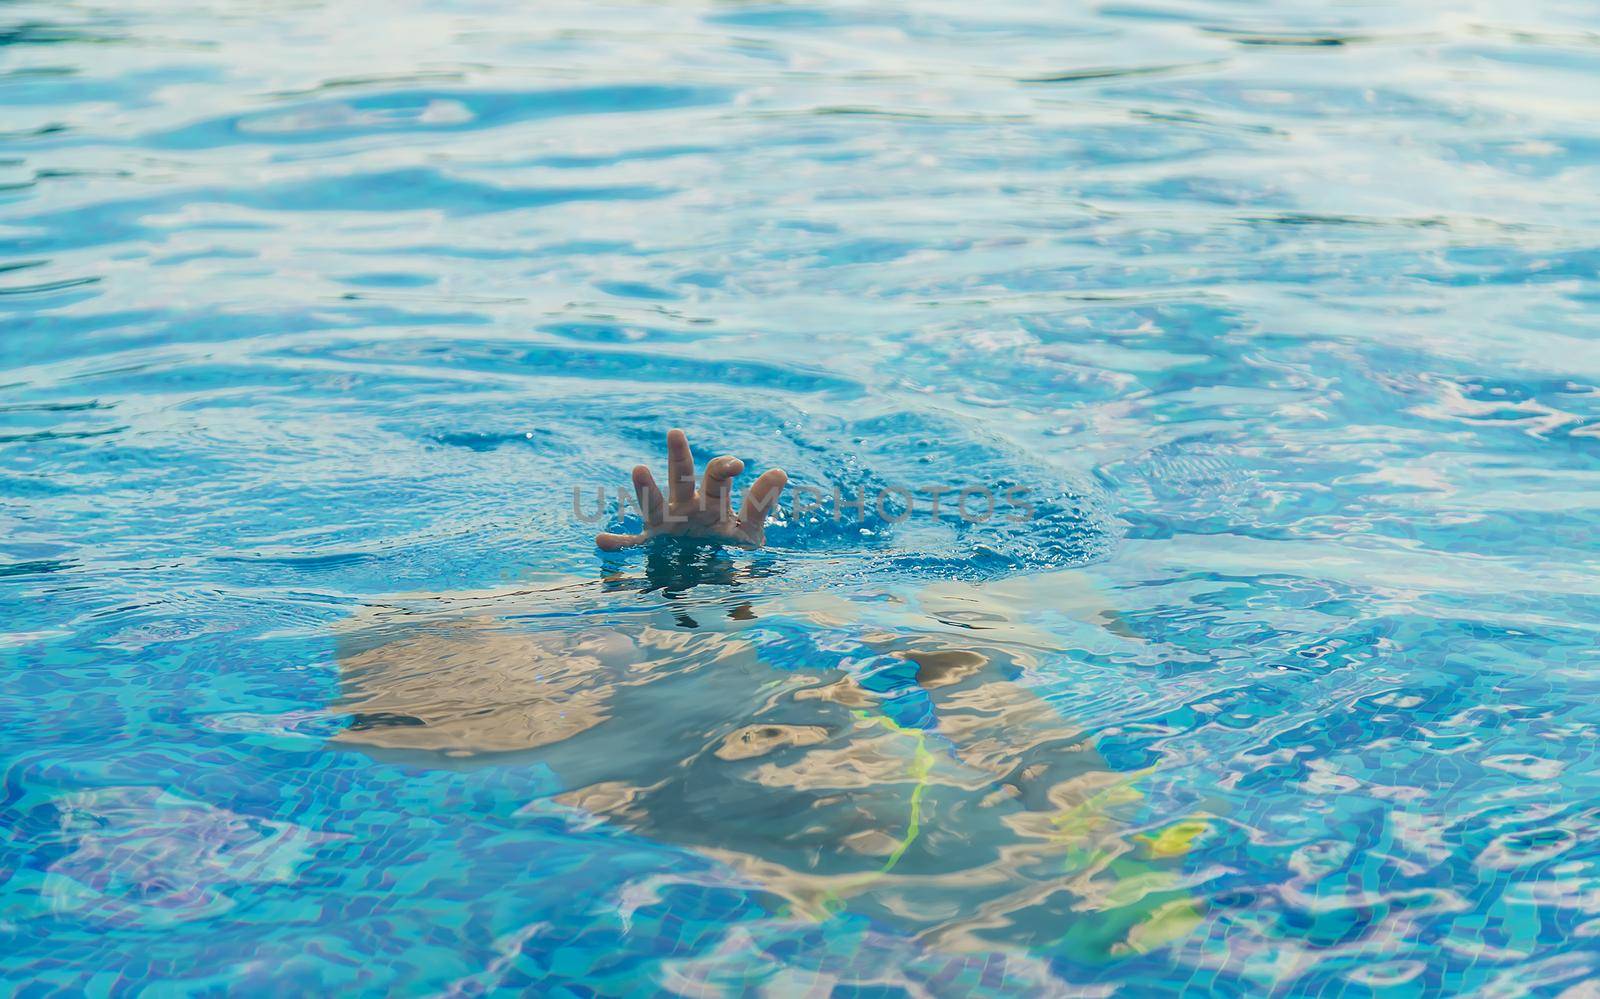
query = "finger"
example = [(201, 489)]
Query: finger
[(716, 492), (616, 542), (680, 468), (762, 498), (651, 506)]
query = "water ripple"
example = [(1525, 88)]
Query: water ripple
[(1281, 319)]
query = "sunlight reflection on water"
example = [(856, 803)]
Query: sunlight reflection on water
[(313, 316)]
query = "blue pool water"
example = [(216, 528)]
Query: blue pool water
[(1283, 317)]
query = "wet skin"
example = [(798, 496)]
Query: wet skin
[(704, 513)]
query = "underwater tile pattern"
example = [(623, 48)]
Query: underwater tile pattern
[(321, 323)]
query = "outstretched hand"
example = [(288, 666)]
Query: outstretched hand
[(707, 513)]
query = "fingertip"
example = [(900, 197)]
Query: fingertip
[(641, 473), (773, 480), (676, 436)]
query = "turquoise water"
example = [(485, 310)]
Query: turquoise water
[(314, 316)]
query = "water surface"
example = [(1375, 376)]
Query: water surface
[(312, 316)]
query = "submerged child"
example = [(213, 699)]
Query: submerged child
[(888, 756)]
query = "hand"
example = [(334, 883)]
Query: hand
[(706, 514)]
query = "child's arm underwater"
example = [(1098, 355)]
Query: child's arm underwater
[(707, 513)]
